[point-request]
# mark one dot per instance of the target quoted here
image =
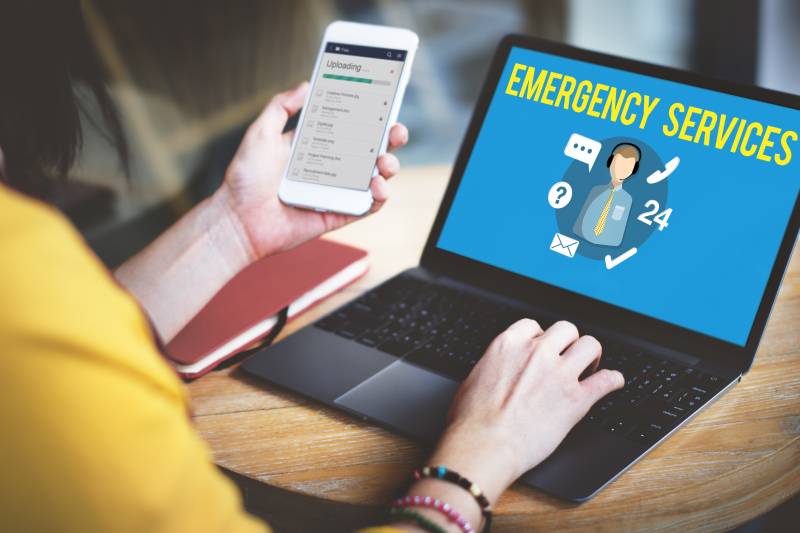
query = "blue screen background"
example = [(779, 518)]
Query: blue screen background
[(706, 271)]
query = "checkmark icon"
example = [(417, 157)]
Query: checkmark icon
[(611, 263)]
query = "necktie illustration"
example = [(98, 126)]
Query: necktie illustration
[(601, 222)]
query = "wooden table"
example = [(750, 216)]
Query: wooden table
[(735, 461)]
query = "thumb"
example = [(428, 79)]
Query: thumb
[(601, 383), (282, 106)]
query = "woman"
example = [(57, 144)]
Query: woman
[(95, 428)]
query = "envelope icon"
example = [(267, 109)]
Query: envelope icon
[(564, 245)]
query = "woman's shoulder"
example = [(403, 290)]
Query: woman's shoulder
[(39, 248), (56, 291), (30, 228), (18, 210)]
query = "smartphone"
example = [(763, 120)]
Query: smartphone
[(357, 85)]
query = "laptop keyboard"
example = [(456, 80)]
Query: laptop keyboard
[(447, 331), (658, 394)]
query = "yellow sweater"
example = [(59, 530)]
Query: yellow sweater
[(94, 426)]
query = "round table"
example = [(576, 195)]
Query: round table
[(733, 462)]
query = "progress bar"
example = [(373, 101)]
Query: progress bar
[(354, 79)]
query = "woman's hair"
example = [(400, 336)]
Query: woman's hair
[(44, 51)]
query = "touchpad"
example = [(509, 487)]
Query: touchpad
[(405, 397)]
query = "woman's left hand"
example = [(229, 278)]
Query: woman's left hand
[(250, 189)]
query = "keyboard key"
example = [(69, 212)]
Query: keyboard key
[(714, 383), (617, 425), (681, 397), (328, 324), (634, 400), (641, 434), (694, 402), (368, 340), (647, 433), (593, 417), (397, 346), (652, 404), (668, 418), (682, 411), (346, 333), (434, 361)]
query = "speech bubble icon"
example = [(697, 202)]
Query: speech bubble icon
[(582, 149)]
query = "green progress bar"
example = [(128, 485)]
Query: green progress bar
[(346, 78)]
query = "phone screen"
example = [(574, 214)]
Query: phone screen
[(351, 98)]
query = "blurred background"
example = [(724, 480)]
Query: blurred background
[(189, 75)]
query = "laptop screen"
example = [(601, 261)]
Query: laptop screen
[(666, 199)]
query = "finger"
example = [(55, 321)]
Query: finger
[(526, 327), (510, 352), (515, 341), (558, 337), (388, 165), (601, 383), (380, 191), (583, 353), (280, 108), (398, 136)]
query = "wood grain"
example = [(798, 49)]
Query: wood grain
[(735, 461)]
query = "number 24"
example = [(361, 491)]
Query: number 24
[(660, 219)]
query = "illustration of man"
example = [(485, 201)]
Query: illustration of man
[(604, 216)]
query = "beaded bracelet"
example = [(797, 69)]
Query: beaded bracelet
[(426, 501), (441, 472), (399, 513)]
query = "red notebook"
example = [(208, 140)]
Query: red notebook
[(246, 308)]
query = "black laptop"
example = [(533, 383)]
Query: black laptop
[(655, 208)]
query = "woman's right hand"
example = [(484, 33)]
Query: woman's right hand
[(520, 401)]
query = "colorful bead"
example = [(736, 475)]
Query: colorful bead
[(441, 472), (453, 516)]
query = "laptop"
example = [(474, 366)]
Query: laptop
[(655, 208)]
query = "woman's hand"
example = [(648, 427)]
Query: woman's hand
[(250, 189), (513, 410), (520, 401), (241, 222)]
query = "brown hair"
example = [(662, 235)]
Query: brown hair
[(626, 150), (44, 49)]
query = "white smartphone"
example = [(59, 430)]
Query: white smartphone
[(358, 83)]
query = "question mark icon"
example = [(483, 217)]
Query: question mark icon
[(560, 195), (561, 192)]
